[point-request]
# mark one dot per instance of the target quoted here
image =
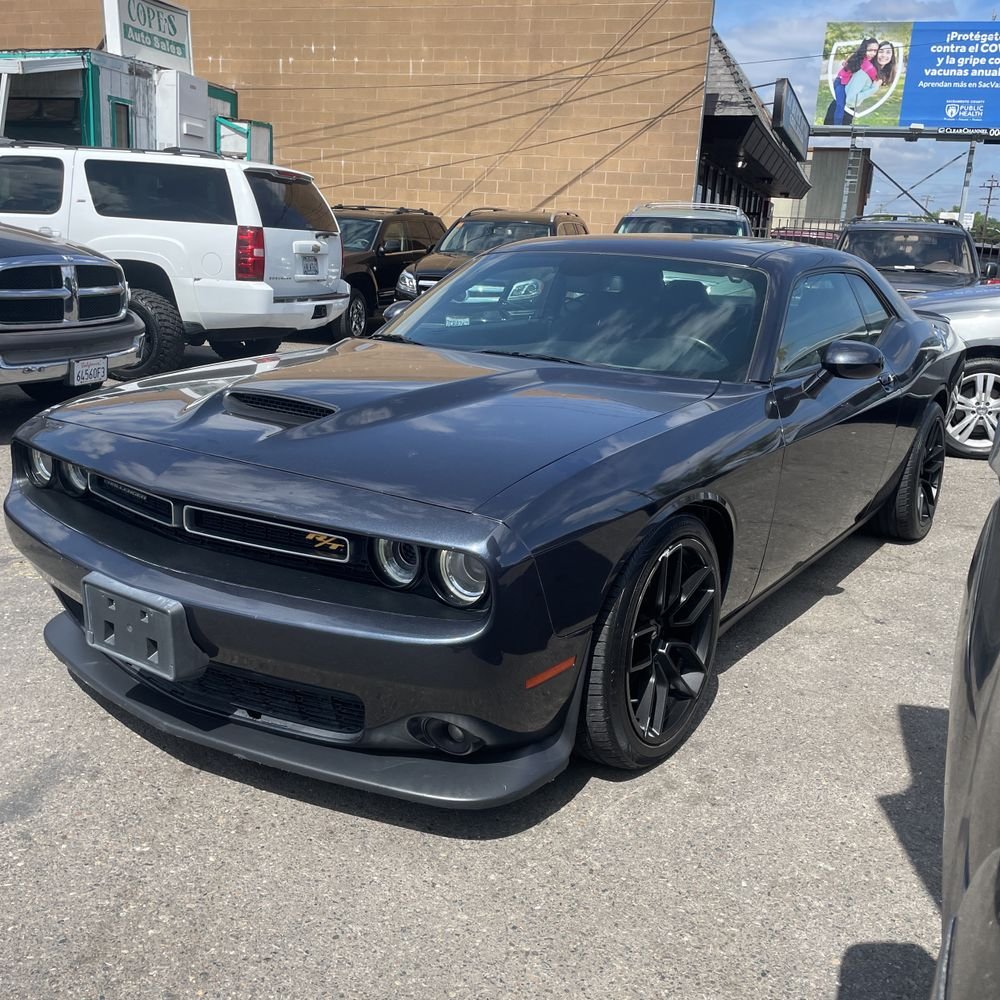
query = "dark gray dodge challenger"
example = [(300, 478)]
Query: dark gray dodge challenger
[(432, 563)]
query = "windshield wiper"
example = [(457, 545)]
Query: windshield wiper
[(537, 357)]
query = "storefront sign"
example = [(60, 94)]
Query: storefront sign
[(941, 75), (150, 30), (789, 120)]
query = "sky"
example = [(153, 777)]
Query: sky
[(752, 32)]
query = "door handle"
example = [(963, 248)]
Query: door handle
[(49, 231)]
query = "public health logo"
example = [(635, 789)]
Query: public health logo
[(966, 110)]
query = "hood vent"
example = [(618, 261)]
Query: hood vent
[(274, 408)]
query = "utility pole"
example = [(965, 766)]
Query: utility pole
[(991, 185)]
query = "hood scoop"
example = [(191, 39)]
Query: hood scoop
[(275, 408)]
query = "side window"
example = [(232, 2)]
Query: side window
[(877, 317), (822, 308), (437, 230), (31, 185), (419, 236), (165, 192), (394, 237)]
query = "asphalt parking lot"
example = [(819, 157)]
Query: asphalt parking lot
[(791, 849)]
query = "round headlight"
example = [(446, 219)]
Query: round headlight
[(74, 478), (463, 577), (40, 467), (397, 563)]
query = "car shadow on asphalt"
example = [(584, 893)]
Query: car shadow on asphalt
[(892, 970), (15, 408), (791, 601)]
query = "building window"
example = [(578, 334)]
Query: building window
[(121, 123)]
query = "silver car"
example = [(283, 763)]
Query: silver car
[(974, 314)]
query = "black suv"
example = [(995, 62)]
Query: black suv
[(479, 230), (378, 243), (916, 254)]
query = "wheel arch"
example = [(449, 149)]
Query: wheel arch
[(364, 283), (982, 351), (152, 277)]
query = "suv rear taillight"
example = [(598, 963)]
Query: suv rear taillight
[(249, 253)]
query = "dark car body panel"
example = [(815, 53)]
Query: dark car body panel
[(551, 473), (969, 966)]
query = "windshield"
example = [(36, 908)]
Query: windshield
[(711, 227), (691, 319), (476, 235), (358, 234), (946, 251)]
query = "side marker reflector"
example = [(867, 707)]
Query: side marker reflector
[(547, 675)]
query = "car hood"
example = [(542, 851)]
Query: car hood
[(956, 300), (919, 282), (447, 427), (437, 265), (15, 242)]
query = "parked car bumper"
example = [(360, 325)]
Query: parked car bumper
[(314, 647), (231, 306), (48, 355)]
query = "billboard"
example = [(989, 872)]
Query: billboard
[(942, 75)]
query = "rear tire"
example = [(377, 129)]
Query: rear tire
[(970, 434), (654, 650), (163, 345), (909, 513), (50, 393), (354, 320), (231, 350)]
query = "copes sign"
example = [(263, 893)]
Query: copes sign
[(155, 32)]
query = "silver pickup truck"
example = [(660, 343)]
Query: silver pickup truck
[(64, 317)]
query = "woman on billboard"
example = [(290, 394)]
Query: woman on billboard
[(861, 64), (879, 74)]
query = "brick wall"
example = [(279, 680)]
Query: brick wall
[(453, 104)]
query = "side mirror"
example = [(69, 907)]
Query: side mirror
[(852, 359), (391, 246), (392, 311), (990, 271)]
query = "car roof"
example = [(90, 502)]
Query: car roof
[(684, 210), (378, 211), (897, 224), (509, 215), (727, 250)]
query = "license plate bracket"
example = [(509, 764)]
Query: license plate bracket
[(88, 371), (144, 629), (310, 265)]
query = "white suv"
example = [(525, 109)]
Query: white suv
[(236, 253), (685, 217)]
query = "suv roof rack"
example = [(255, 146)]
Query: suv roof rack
[(402, 209), (888, 217), (182, 151), (694, 206), (530, 211)]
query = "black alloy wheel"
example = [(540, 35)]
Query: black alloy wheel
[(654, 655), (908, 513), (930, 472)]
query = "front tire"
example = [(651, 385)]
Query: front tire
[(231, 350), (163, 345), (909, 513), (654, 650), (972, 425)]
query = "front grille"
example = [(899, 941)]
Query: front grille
[(149, 505), (284, 409), (424, 283), (252, 697), (71, 292), (267, 534)]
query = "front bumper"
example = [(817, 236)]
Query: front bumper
[(455, 783), (282, 626), (47, 355)]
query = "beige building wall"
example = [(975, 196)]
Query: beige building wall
[(453, 104)]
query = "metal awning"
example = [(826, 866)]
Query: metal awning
[(23, 65)]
